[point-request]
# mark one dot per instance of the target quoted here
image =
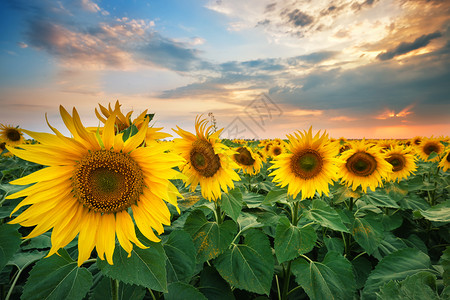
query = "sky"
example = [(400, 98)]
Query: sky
[(264, 68)]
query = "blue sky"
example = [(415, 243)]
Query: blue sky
[(355, 68)]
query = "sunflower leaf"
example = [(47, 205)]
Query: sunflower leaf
[(145, 267), (210, 238), (291, 241), (438, 213), (325, 215), (395, 266), (420, 286), (333, 278), (10, 243), (250, 265), (213, 286), (103, 291), (57, 277), (232, 203), (367, 234), (181, 256)]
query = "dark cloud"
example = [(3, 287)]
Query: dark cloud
[(270, 7), (358, 6), (406, 47), (172, 55), (315, 57), (298, 18)]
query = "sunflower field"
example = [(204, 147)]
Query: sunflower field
[(119, 211)]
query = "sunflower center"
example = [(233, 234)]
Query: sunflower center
[(417, 142), (361, 164), (107, 181), (203, 158), (448, 157), (430, 147), (397, 161), (307, 164), (13, 135), (276, 151), (244, 157)]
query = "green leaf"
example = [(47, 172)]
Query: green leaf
[(275, 196), (291, 241), (232, 203), (129, 132), (361, 268), (183, 290), (57, 277), (445, 262), (331, 279), (252, 200), (10, 242), (102, 291), (438, 213), (23, 259), (367, 235), (213, 286), (210, 238), (334, 244), (395, 266), (181, 256), (379, 199), (414, 202), (420, 286), (247, 221), (389, 244), (325, 215), (250, 265), (145, 267), (40, 242)]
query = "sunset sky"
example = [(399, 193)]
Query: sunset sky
[(374, 69)]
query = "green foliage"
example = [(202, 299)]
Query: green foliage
[(10, 243), (330, 279), (145, 267), (248, 265), (57, 277)]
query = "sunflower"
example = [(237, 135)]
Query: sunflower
[(416, 141), (124, 121), (427, 146), (247, 160), (11, 136), (208, 160), (445, 161), (364, 165), (90, 186), (276, 150), (309, 167), (402, 161)]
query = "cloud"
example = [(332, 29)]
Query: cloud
[(406, 47), (22, 45), (298, 18)]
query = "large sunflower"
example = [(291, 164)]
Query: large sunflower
[(208, 160), (402, 161), (90, 186), (124, 121), (427, 146), (11, 136), (247, 160), (364, 165), (445, 161), (309, 167)]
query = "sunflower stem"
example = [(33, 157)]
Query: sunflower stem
[(13, 284), (114, 289), (294, 216), (218, 213), (287, 277)]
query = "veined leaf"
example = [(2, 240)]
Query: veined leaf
[(145, 267), (395, 266), (210, 238), (420, 286), (325, 215), (331, 279), (291, 241), (248, 266), (367, 235), (57, 277), (181, 256), (232, 203), (213, 286), (438, 213), (183, 290)]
